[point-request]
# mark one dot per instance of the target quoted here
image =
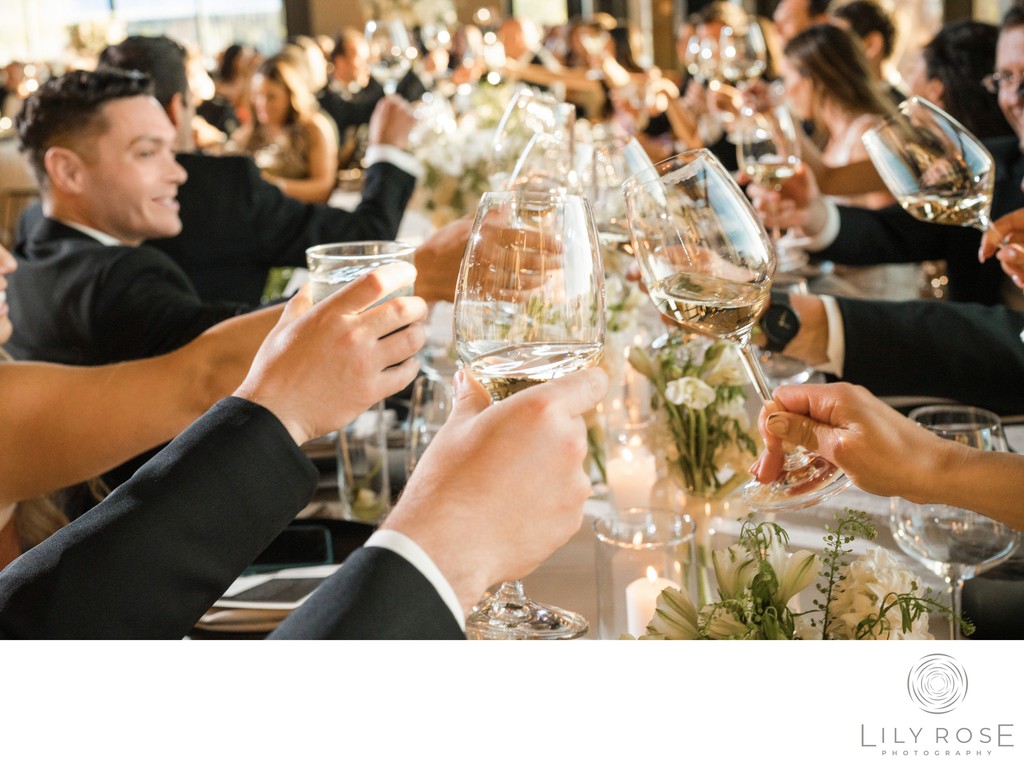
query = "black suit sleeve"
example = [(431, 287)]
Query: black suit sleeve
[(145, 305), (891, 235), (961, 351), (158, 551), (376, 594), (282, 227)]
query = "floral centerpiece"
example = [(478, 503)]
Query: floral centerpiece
[(698, 395), (872, 597), (456, 152)]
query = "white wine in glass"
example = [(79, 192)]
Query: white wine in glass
[(935, 168), (708, 265), (529, 307)]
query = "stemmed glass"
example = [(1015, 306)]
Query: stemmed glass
[(954, 543), (391, 52), (708, 265), (529, 307), (934, 167), (528, 113), (743, 54), (768, 149)]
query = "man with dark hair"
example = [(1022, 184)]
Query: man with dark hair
[(235, 225), (794, 16), (88, 290), (874, 27)]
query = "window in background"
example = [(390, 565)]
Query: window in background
[(544, 12)]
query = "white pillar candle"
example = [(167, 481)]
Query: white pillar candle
[(641, 600), (631, 474)]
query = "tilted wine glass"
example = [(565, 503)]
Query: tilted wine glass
[(935, 168), (954, 543), (708, 265), (528, 113), (529, 307), (768, 149)]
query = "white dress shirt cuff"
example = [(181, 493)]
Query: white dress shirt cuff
[(828, 234), (398, 543), (836, 348), (400, 158)]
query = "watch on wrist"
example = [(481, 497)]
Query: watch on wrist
[(779, 322)]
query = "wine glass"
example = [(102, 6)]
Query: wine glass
[(528, 113), (391, 52), (768, 150), (529, 307), (954, 543), (743, 55), (708, 265), (934, 167)]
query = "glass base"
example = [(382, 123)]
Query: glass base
[(803, 485), (497, 618)]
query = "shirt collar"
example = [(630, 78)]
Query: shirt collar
[(102, 237)]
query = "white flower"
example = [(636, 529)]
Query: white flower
[(727, 369), (869, 579), (734, 569), (723, 625), (675, 616), (690, 392), (734, 409), (800, 570)]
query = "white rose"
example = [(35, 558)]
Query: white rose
[(727, 370), (690, 392)]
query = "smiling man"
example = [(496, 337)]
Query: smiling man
[(87, 290)]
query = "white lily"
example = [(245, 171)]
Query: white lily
[(799, 571), (675, 616), (734, 569)]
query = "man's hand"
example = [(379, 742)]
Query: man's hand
[(391, 122), (501, 486), (1005, 240), (323, 365)]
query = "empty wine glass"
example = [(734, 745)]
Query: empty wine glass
[(529, 307), (954, 543), (743, 55), (428, 411), (934, 167), (528, 113), (708, 265), (391, 52)]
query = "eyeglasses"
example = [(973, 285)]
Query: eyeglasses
[(1003, 80)]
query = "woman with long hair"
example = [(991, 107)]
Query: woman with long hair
[(291, 140), (828, 83)]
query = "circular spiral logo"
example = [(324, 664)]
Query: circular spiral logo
[(937, 683)]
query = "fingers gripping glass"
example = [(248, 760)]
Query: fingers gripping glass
[(708, 265), (529, 307)]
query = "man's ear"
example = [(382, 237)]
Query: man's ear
[(65, 169), (176, 109), (874, 44)]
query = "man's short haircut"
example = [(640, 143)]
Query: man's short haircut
[(161, 58), (865, 17), (67, 108)]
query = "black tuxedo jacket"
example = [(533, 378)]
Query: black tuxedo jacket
[(76, 301), (236, 226), (963, 351), (156, 553), (350, 110), (891, 235)]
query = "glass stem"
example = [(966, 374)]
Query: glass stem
[(956, 592), (510, 595), (776, 232), (749, 355)]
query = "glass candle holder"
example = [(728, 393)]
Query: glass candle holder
[(640, 552)]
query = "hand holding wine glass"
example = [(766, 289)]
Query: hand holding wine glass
[(529, 307), (707, 264), (934, 167), (768, 150)]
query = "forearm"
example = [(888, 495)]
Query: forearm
[(63, 425), (990, 483)]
